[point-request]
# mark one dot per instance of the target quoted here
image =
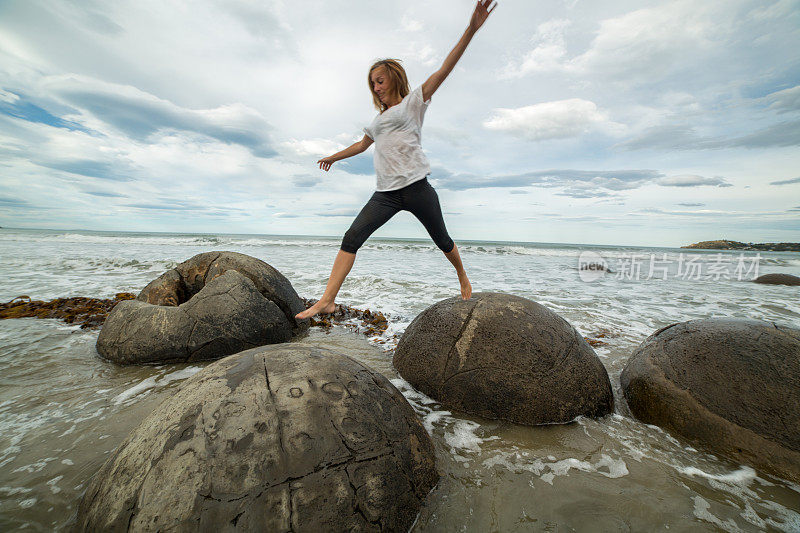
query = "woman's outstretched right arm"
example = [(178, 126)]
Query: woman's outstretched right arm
[(354, 149), (479, 16)]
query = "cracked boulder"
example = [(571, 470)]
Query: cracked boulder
[(732, 385), (503, 357), (226, 316), (289, 437), (180, 284)]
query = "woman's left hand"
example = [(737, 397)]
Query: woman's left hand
[(480, 14)]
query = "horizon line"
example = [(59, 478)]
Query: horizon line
[(418, 239)]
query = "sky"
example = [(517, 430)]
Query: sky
[(627, 122)]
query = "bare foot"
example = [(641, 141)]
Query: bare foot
[(317, 308), (466, 287)]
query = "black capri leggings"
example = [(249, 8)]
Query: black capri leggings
[(419, 198)]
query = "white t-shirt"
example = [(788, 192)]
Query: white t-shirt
[(399, 159)]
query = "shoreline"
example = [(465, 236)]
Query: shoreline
[(723, 244)]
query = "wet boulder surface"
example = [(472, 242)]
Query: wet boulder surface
[(778, 279), (210, 306), (505, 357), (227, 316), (181, 283), (732, 385), (289, 437)]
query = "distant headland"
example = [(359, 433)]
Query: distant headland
[(736, 245)]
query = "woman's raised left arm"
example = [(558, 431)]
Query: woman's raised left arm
[(479, 16)]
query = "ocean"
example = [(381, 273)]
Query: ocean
[(63, 410)]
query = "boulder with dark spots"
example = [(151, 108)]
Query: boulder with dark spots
[(732, 385), (226, 316), (778, 279), (288, 437), (180, 284), (504, 357)]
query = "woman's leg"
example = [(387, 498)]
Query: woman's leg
[(378, 210), (341, 267), (422, 200), (463, 280)]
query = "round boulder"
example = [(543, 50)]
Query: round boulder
[(731, 384), (504, 357), (212, 305), (288, 437), (227, 316), (778, 279), (180, 284)]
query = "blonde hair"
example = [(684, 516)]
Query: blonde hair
[(396, 73)]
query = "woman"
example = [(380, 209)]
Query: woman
[(400, 164)]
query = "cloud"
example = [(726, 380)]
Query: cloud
[(575, 183), (567, 218), (786, 100), (68, 150), (361, 165), (313, 147), (549, 120), (684, 137), (410, 24), (168, 205), (577, 192), (309, 151), (16, 203), (140, 114), (344, 212), (264, 20), (782, 134), (164, 206), (106, 170), (422, 52), (709, 213), (8, 97), (545, 56), (691, 204), (177, 165), (648, 43), (304, 181), (664, 137), (643, 45), (106, 194), (454, 136), (180, 209), (15, 106), (778, 9), (581, 181), (86, 15), (785, 182), (102, 24), (692, 180)]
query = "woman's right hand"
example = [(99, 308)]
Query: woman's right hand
[(325, 163)]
